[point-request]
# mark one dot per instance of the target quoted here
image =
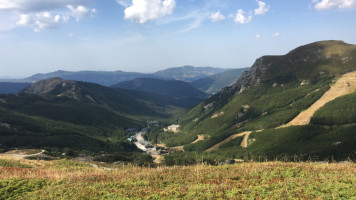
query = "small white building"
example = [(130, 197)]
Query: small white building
[(172, 128)]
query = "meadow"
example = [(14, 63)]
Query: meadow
[(64, 179)]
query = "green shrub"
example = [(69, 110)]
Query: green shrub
[(11, 163), (17, 188), (339, 111)]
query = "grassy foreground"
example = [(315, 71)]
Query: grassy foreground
[(23, 179)]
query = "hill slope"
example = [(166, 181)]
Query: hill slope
[(213, 84), (99, 77), (188, 73), (178, 90), (272, 93), (23, 179), (343, 86), (12, 88), (108, 78), (79, 115)]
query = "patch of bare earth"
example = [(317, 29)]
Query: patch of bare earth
[(200, 138), (343, 86), (245, 140), (181, 148), (22, 154), (158, 159), (216, 146)]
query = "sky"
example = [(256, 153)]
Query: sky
[(40, 36)]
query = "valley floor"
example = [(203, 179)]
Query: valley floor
[(63, 179)]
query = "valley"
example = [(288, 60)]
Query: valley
[(177, 99), (247, 120)]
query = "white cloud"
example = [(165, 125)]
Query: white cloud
[(262, 9), (143, 10), (38, 5), (124, 3), (331, 4), (25, 19), (196, 23), (195, 17), (276, 34), (240, 17), (258, 36), (80, 12), (41, 20), (43, 14), (216, 17)]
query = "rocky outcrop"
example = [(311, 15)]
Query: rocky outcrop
[(49, 85), (56, 87), (301, 63), (250, 78), (324, 59)]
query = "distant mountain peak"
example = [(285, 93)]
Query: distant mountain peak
[(54, 86), (320, 50), (175, 89), (189, 73)]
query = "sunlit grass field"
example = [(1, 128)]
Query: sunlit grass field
[(65, 179)]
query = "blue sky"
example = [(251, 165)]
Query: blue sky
[(39, 36)]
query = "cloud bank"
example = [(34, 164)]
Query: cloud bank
[(44, 14), (332, 4), (240, 17), (262, 9), (276, 34), (216, 17), (141, 11)]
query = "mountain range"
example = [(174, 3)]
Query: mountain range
[(207, 79), (107, 78), (280, 108), (178, 90), (189, 73), (78, 115), (12, 88), (214, 83), (298, 106)]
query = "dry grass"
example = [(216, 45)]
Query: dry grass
[(273, 180)]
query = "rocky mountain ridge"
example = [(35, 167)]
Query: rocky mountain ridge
[(295, 66)]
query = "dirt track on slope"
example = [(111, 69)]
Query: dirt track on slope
[(19, 154), (181, 148), (245, 140), (243, 143), (158, 159), (343, 86), (200, 138)]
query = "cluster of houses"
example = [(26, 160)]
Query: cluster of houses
[(132, 131), (146, 146), (172, 128), (153, 123)]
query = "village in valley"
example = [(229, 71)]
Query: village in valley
[(157, 151)]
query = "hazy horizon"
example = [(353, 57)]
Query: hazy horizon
[(152, 35), (148, 72)]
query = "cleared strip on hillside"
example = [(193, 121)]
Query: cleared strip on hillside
[(243, 143), (200, 138), (343, 86)]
